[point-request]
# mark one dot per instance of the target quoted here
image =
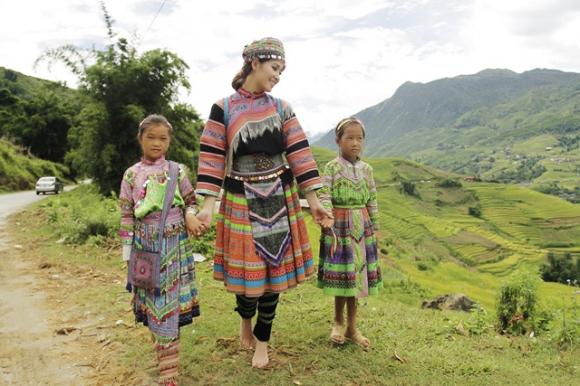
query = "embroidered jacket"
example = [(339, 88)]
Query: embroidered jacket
[(254, 125), (143, 191), (349, 185)]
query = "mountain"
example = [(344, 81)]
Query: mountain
[(496, 124)]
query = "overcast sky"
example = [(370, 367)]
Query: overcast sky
[(342, 55)]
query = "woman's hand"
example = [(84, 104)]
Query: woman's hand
[(321, 216), (194, 227), (205, 215)]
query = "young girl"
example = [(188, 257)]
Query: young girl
[(348, 265), (143, 190), (255, 141)]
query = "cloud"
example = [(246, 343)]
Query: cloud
[(153, 7), (342, 55)]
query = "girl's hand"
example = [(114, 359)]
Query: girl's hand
[(327, 223), (322, 216), (318, 212), (204, 217), (127, 252), (194, 227)]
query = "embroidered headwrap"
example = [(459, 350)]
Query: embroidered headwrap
[(266, 48)]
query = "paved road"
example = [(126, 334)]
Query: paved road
[(30, 353), (13, 202)]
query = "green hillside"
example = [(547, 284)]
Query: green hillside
[(497, 125), (19, 171), (37, 114), (432, 237), (25, 85)]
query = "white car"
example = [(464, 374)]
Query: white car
[(48, 184)]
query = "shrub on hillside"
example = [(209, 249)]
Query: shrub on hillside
[(561, 269), (81, 214), (517, 312), (422, 266), (449, 183), (409, 188), (474, 211)]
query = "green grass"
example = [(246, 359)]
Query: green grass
[(429, 343), (461, 253)]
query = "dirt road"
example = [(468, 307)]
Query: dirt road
[(45, 338)]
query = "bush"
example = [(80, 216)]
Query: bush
[(561, 269), (422, 266), (409, 188), (449, 183), (516, 305), (479, 322), (474, 211), (81, 214)]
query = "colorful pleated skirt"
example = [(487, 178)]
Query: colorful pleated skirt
[(261, 240), (177, 303), (349, 264)]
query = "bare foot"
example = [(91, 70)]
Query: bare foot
[(336, 335), (357, 338), (247, 340), (260, 358)]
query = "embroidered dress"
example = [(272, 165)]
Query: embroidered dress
[(254, 146), (348, 264), (141, 198)]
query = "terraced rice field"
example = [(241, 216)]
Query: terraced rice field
[(516, 229)]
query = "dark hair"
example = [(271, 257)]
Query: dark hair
[(153, 120), (246, 70), (344, 123)]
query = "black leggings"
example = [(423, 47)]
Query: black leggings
[(266, 305)]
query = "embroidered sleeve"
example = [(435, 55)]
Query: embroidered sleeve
[(325, 193), (298, 152), (185, 187), (126, 205), (372, 205), (212, 154)]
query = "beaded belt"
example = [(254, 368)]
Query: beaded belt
[(259, 176), (259, 162), (234, 182)]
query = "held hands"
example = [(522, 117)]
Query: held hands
[(194, 226), (327, 223), (205, 216), (198, 224), (321, 216)]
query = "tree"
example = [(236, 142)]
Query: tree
[(408, 188), (121, 87), (560, 269), (42, 123)]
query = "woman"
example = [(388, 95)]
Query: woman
[(254, 146)]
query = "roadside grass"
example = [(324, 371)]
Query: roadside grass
[(410, 345)]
